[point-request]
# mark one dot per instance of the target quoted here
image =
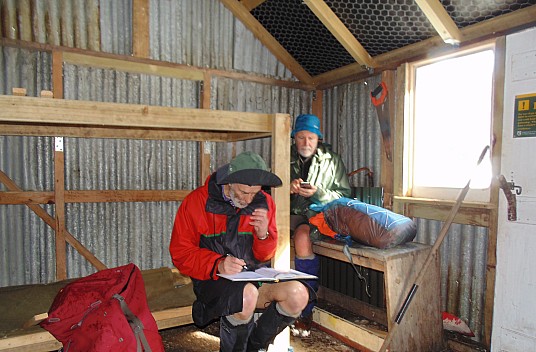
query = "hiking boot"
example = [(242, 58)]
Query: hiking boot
[(234, 338), (301, 327), (269, 324)]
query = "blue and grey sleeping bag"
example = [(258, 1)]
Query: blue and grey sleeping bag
[(367, 224)]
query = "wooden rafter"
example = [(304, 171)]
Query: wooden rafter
[(267, 39), (491, 28), (251, 4), (440, 19), (339, 31)]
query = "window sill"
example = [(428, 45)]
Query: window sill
[(470, 213)]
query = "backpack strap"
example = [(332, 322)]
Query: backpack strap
[(135, 324)]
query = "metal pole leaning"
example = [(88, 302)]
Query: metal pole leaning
[(429, 258)]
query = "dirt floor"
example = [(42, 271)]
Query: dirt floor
[(189, 338)]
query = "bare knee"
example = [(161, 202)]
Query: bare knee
[(297, 297), (302, 241), (249, 302)]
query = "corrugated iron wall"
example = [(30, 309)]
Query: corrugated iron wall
[(351, 126), (463, 256), (200, 33)]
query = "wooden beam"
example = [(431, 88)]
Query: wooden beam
[(41, 340), (354, 305), (339, 31), (370, 339), (133, 67), (96, 196), (267, 39), (440, 19), (125, 133), (59, 191), (251, 4), (90, 113), (50, 221), (442, 202), (36, 319), (26, 197), (173, 317), (140, 28), (345, 74), (466, 216), (248, 77), (261, 79)]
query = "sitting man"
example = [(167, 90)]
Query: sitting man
[(221, 227), (318, 176)]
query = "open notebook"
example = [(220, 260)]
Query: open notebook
[(269, 274)]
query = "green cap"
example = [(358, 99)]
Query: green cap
[(247, 168)]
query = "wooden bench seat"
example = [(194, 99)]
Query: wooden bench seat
[(421, 327)]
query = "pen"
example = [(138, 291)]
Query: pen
[(244, 267)]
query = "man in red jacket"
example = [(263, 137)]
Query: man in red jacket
[(222, 227)]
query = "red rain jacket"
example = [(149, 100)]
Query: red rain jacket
[(207, 228)]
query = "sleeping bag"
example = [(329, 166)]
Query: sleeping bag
[(364, 223)]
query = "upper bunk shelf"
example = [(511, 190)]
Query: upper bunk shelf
[(30, 116)]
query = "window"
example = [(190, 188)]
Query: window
[(449, 125)]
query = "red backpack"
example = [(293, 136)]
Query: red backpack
[(105, 311)]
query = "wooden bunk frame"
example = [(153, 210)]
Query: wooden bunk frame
[(29, 116)]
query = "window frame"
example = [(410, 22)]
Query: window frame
[(471, 212)]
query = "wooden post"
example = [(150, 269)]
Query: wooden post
[(140, 28), (204, 147), (402, 83), (59, 193), (387, 175), (57, 74), (317, 105), (281, 167)]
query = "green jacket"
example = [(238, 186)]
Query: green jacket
[(327, 173)]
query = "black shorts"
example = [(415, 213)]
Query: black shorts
[(217, 298), (297, 220), (221, 297)]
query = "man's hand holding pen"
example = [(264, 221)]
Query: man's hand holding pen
[(231, 265)]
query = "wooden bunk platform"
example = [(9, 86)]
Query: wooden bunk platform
[(169, 294)]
